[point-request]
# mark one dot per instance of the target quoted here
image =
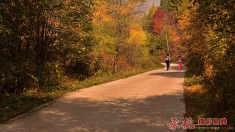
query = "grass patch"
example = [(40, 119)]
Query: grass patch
[(15, 105)]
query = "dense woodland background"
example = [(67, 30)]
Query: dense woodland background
[(44, 43)]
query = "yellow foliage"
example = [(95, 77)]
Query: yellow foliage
[(137, 35), (101, 15), (195, 89)]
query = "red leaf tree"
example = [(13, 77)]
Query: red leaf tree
[(163, 25), (160, 20)]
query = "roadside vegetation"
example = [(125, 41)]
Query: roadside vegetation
[(207, 42), (16, 104), (49, 48)]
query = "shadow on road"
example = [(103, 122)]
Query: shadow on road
[(114, 115), (173, 72)]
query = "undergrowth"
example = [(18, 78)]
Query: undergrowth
[(197, 103)]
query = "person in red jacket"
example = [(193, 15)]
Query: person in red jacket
[(180, 62)]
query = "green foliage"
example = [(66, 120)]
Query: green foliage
[(190, 80), (14, 105), (165, 4), (153, 43), (40, 39), (178, 7), (218, 14), (147, 18)]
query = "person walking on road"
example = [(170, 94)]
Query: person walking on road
[(180, 62), (168, 60)]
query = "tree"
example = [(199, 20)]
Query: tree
[(211, 40), (33, 39), (165, 4), (113, 20), (147, 18), (75, 39), (25, 38), (164, 27)]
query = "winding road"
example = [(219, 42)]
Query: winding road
[(141, 103)]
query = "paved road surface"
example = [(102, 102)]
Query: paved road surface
[(142, 103)]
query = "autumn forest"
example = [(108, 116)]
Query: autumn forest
[(45, 45)]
